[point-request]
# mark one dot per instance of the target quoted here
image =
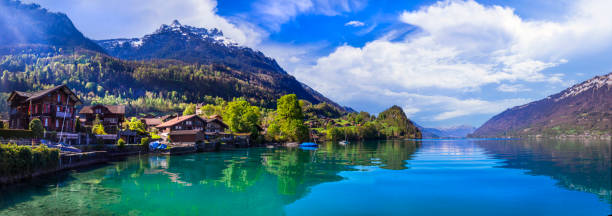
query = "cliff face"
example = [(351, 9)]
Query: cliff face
[(585, 108)]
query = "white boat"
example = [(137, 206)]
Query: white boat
[(344, 142)]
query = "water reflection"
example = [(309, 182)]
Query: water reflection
[(267, 181), (582, 165)]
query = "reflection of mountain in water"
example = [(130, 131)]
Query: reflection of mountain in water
[(577, 165)]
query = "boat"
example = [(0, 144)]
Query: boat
[(309, 144), (345, 141), (309, 148)]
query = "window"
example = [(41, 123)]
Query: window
[(56, 123), (59, 98), (46, 122), (58, 108), (188, 122)]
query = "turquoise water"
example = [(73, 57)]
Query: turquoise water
[(443, 177)]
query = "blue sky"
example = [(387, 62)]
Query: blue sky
[(445, 62)]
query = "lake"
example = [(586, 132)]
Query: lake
[(396, 177)]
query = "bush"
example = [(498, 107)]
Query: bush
[(23, 160), (15, 133), (144, 141), (37, 128), (121, 143)]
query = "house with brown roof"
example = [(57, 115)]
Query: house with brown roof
[(189, 122), (215, 125), (183, 129), (111, 116), (151, 122), (53, 106)]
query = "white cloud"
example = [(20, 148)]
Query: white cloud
[(462, 45), (134, 18), (354, 23), (512, 88), (277, 12)]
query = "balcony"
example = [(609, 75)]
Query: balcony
[(62, 115)]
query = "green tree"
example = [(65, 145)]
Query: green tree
[(291, 119), (334, 134), (190, 109), (137, 125), (97, 128), (241, 117), (144, 141), (209, 110), (37, 128), (77, 124), (121, 143)]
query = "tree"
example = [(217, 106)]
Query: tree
[(144, 141), (209, 110), (97, 128), (241, 117), (190, 109), (137, 125), (37, 128), (334, 134), (291, 119), (121, 143), (77, 124)]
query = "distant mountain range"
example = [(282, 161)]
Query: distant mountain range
[(583, 109), (448, 132), (191, 62)]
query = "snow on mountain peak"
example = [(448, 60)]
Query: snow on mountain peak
[(190, 32), (595, 83)]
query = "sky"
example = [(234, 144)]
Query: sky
[(446, 63)]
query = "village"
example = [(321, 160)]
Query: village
[(105, 127)]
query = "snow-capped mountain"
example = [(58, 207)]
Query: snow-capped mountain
[(186, 33), (210, 47), (583, 109), (192, 45)]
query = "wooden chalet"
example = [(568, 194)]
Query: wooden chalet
[(191, 128), (111, 116), (152, 122), (215, 125), (189, 122), (54, 107)]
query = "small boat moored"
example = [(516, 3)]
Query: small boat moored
[(309, 144)]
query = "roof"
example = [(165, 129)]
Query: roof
[(218, 121), (185, 132), (152, 121), (177, 120), (37, 95), (114, 109)]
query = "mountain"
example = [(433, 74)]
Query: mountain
[(194, 45), (448, 132), (191, 45), (583, 109), (457, 131), (396, 119), (22, 24), (159, 73)]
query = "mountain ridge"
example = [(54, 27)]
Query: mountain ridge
[(582, 109), (22, 24)]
